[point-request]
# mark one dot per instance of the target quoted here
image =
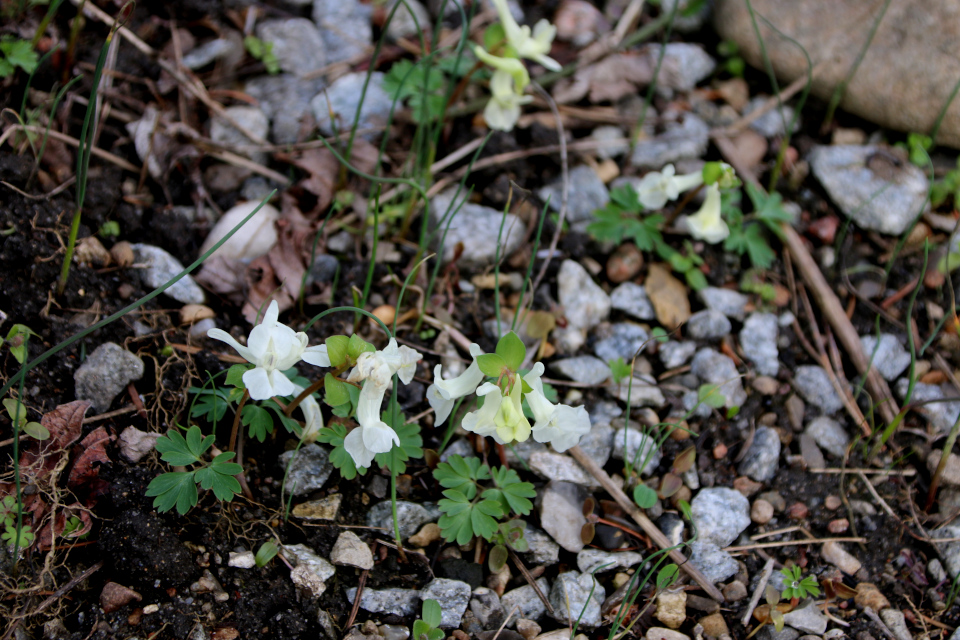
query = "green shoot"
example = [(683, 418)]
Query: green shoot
[(796, 585), (263, 51), (427, 627)]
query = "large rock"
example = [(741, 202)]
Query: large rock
[(297, 44), (345, 27), (874, 186), (905, 77), (342, 98)]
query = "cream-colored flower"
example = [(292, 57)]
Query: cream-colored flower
[(443, 394), (533, 46), (707, 224), (503, 109), (659, 187), (512, 66), (559, 424), (501, 416)]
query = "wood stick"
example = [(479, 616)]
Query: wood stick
[(792, 543), (645, 523), (761, 585), (833, 311), (826, 299)]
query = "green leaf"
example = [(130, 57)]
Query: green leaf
[(211, 405), (483, 517), (510, 348), (335, 391), (18, 53), (510, 492), (235, 375), (493, 36), (337, 347), (257, 420), (619, 370), (410, 444), (339, 458), (432, 614), (667, 576), (768, 208), (491, 364), (36, 431), (16, 410), (709, 394), (266, 553), (177, 451), (497, 558), (174, 488), (455, 523), (461, 474), (357, 345), (420, 630), (696, 279), (644, 496), (22, 540), (627, 198)]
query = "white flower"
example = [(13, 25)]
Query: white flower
[(374, 435), (376, 371), (535, 47), (442, 394), (657, 188), (560, 425), (273, 348), (312, 418), (503, 109), (501, 417), (707, 224)]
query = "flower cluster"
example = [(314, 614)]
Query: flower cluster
[(510, 77), (502, 416), (273, 348), (657, 188), (511, 398)]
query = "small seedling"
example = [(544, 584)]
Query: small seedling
[(266, 553), (14, 53), (263, 51), (8, 517), (619, 370), (428, 626), (16, 341), (798, 587), (18, 416)]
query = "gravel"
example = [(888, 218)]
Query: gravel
[(632, 299), (763, 456), (758, 339), (887, 354), (813, 383), (586, 194), (105, 374)]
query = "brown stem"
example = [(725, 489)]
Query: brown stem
[(530, 580), (236, 421), (683, 203), (645, 523), (313, 388)]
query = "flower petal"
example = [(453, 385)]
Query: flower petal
[(441, 405), (223, 336), (259, 384), (317, 356), (379, 438), (706, 224), (353, 443)]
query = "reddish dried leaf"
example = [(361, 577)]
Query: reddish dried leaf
[(64, 423), (94, 449)]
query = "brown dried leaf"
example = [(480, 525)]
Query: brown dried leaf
[(224, 277), (94, 449), (618, 75), (668, 295), (65, 423)]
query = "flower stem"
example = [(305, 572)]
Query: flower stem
[(396, 522), (236, 421), (68, 257)]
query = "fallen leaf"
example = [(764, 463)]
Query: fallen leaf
[(748, 148), (668, 295), (94, 449), (618, 76)]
